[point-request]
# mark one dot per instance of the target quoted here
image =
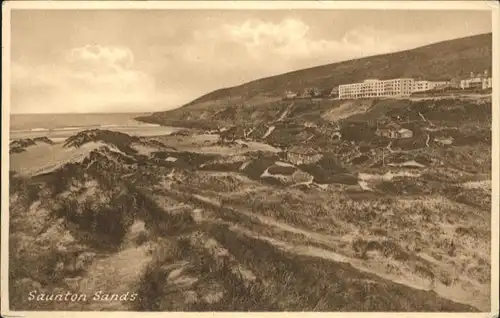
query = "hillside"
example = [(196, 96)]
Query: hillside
[(438, 61)]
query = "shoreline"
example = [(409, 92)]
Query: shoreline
[(61, 134)]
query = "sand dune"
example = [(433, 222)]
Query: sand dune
[(43, 158)]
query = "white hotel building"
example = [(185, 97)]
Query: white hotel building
[(422, 86), (398, 87), (377, 88)]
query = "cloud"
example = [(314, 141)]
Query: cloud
[(111, 55), (172, 63), (229, 54), (101, 58), (255, 33), (291, 39), (88, 79)]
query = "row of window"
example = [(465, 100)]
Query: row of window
[(377, 90), (370, 94), (373, 87)]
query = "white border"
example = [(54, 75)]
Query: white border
[(259, 5), (495, 169), (238, 5)]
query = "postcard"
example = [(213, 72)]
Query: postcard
[(199, 158)]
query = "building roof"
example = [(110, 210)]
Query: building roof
[(403, 130), (303, 150)]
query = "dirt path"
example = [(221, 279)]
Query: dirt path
[(371, 267), (403, 277), (320, 238), (308, 250), (285, 113), (118, 274)]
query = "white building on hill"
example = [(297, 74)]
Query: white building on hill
[(377, 88), (422, 86), (478, 81), (398, 87)]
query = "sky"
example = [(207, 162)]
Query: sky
[(85, 61)]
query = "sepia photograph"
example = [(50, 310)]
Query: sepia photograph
[(291, 157)]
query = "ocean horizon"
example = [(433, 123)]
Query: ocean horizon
[(46, 121), (60, 126)]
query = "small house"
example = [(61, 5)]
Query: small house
[(478, 81), (299, 156), (404, 133), (290, 95), (455, 82), (385, 132), (309, 124), (228, 134), (445, 141), (311, 92), (334, 92), (388, 131), (393, 131)]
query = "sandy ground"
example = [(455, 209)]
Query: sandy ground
[(347, 109), (119, 273), (205, 143), (42, 158)]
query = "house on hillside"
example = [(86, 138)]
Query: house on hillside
[(478, 81), (311, 92), (404, 133), (336, 135), (290, 94), (310, 124), (444, 141), (228, 134), (334, 92), (394, 131), (455, 82), (300, 155), (387, 131)]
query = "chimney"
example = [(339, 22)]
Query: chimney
[(471, 74), (485, 73)]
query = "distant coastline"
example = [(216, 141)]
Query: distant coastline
[(68, 120), (57, 127)]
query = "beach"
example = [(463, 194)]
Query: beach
[(58, 127)]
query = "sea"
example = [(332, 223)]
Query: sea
[(58, 127)]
